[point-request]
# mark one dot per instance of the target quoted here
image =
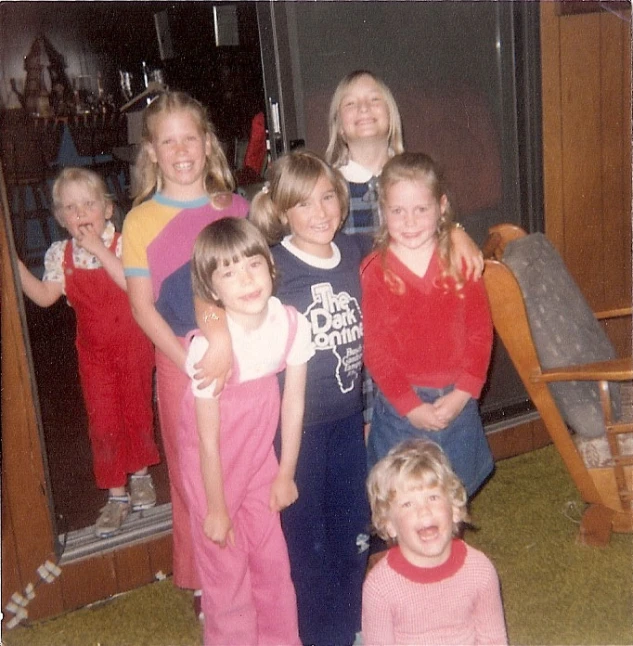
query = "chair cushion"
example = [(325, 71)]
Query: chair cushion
[(596, 453), (564, 329)]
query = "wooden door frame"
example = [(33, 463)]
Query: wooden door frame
[(28, 531)]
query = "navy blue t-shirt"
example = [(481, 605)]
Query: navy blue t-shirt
[(175, 301), (330, 300)]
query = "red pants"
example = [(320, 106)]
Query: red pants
[(117, 389)]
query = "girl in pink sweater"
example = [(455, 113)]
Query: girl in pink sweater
[(431, 588)]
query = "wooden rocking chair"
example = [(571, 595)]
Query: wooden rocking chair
[(548, 331)]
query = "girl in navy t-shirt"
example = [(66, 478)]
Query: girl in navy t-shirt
[(301, 211)]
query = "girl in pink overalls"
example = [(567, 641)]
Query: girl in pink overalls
[(116, 359), (234, 485)]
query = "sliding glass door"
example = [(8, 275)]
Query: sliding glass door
[(466, 78)]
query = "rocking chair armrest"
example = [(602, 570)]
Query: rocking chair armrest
[(499, 236), (614, 370), (618, 312)]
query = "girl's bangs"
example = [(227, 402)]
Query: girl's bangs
[(300, 188), (239, 249)]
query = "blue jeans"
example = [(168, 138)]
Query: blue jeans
[(463, 441), (327, 531)]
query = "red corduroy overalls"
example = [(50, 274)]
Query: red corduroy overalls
[(116, 361)]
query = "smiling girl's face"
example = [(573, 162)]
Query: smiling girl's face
[(363, 111), (180, 149), (243, 286), (314, 221), (412, 213)]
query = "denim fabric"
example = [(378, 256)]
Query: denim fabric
[(463, 441)]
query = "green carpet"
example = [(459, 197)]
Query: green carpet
[(555, 591)]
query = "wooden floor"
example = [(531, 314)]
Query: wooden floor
[(76, 499)]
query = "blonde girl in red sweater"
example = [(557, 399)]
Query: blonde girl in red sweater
[(428, 331)]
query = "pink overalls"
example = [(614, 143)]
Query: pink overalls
[(116, 361), (248, 597)]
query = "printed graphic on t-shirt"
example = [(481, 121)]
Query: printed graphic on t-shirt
[(337, 327)]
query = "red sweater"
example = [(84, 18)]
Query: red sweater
[(427, 336)]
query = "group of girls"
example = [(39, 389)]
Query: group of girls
[(221, 339)]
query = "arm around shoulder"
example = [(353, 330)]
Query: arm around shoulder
[(466, 252), (215, 364)]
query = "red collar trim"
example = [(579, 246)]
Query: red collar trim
[(451, 566)]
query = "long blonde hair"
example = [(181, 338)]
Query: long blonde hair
[(337, 152), (292, 179), (146, 175), (418, 167)]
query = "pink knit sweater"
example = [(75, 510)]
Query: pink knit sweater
[(458, 602)]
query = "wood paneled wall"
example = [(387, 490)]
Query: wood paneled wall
[(586, 72), (587, 163)]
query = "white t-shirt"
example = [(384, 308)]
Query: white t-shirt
[(257, 352)]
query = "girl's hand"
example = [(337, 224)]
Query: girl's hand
[(87, 238), (215, 365), (424, 417), (219, 529), (449, 406), (282, 493), (465, 253)]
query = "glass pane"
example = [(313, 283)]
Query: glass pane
[(451, 68)]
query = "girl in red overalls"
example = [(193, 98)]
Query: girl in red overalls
[(116, 359)]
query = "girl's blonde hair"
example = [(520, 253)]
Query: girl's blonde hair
[(413, 463), (220, 244), (292, 180), (337, 152), (146, 175), (85, 176), (418, 167)]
